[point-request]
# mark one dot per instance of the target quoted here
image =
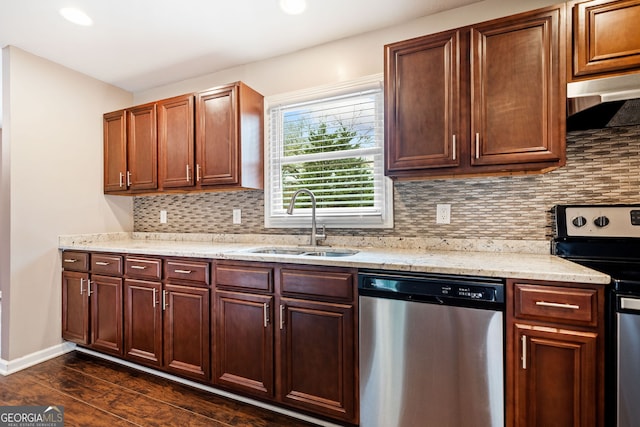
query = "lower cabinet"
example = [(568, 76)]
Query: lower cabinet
[(555, 354), (243, 345), (317, 357), (281, 333), (288, 334), (92, 303), (166, 324)]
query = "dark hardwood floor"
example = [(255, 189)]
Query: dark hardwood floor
[(97, 392)]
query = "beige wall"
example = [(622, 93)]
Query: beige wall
[(51, 184), (342, 60)]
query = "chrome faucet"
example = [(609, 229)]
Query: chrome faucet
[(313, 240)]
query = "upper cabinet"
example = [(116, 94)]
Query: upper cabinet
[(488, 98), (606, 38), (130, 150), (229, 136), (211, 140)]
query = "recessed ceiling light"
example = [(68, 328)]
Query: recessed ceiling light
[(76, 16), (293, 7)]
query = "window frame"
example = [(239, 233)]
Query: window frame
[(301, 217)]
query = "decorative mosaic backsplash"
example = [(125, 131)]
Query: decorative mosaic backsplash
[(603, 166)]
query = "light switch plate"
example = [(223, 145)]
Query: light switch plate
[(237, 216), (163, 217)]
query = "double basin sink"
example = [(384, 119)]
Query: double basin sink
[(326, 252)]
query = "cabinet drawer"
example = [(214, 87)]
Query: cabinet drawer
[(75, 261), (330, 284), (143, 268), (555, 303), (106, 264), (243, 276), (194, 272)]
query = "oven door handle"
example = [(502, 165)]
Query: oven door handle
[(630, 303)]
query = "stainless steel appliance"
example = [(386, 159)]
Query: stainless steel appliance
[(431, 350), (607, 238)]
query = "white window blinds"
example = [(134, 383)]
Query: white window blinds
[(331, 144)]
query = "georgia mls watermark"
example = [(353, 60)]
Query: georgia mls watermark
[(31, 416)]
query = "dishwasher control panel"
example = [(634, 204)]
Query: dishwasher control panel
[(439, 288)]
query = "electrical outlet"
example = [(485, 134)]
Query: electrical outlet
[(163, 217), (443, 214), (237, 216)]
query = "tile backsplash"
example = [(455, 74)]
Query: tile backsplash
[(603, 166)]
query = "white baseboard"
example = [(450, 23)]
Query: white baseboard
[(8, 367), (211, 389)]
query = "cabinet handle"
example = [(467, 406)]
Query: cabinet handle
[(265, 308), (128, 178), (71, 260), (88, 287), (165, 303), (101, 263), (558, 305), (138, 267), (197, 173), (524, 352), (477, 145), (188, 174), (155, 291), (453, 147), (81, 282), (121, 180), (182, 271), (281, 316)]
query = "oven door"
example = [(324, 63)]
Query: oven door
[(628, 321)]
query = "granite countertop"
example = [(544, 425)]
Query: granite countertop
[(516, 260)]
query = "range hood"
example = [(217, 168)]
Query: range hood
[(604, 102)]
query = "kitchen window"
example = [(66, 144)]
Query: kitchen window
[(329, 140)]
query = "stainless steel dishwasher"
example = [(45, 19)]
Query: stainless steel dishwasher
[(431, 350)]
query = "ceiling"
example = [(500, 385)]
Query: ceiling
[(141, 44)]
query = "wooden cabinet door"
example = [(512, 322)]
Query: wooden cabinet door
[(555, 382), (243, 351), (186, 331), (422, 128), (217, 136), (106, 314), (176, 142), (606, 37), (75, 307), (143, 321), (317, 347), (115, 151), (518, 89), (142, 148)]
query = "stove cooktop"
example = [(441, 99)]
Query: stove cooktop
[(605, 238)]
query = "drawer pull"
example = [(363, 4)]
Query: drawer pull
[(139, 267), (101, 263), (182, 271), (81, 282), (524, 352), (281, 316), (71, 260), (165, 300), (558, 305), (265, 308), (155, 291), (89, 288)]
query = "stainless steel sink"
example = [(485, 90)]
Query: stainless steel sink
[(305, 252), (331, 253), (278, 251)]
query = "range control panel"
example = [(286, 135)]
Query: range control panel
[(598, 221)]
